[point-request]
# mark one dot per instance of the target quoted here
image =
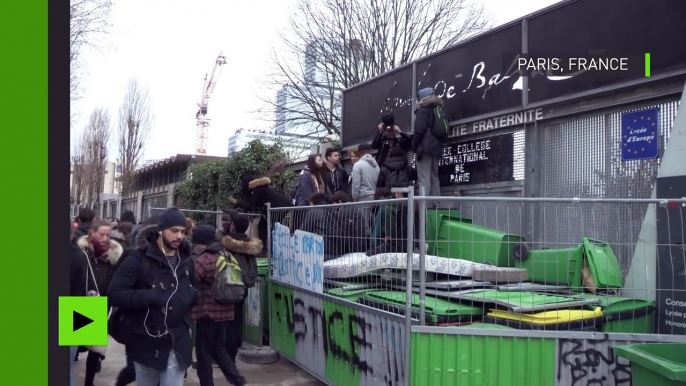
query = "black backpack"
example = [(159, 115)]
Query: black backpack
[(397, 179), (439, 128)]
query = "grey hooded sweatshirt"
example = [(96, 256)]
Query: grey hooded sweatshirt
[(364, 176)]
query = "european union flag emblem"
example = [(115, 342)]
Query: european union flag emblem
[(640, 134)]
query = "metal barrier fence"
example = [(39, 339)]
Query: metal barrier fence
[(525, 311)]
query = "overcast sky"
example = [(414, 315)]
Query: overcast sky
[(169, 46)]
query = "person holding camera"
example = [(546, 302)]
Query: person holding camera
[(388, 137)]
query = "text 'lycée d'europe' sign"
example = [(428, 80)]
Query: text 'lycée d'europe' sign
[(640, 134)]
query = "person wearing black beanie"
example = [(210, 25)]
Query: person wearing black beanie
[(244, 248), (204, 235), (153, 287), (213, 320)]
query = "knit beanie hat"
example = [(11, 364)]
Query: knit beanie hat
[(425, 92), (241, 223), (204, 235), (171, 217)]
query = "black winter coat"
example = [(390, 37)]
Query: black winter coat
[(260, 194), (423, 142), (384, 144), (104, 267), (395, 164), (159, 301)]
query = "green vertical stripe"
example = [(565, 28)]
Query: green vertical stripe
[(647, 61), (24, 150)]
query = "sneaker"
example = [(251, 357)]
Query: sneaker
[(185, 376)]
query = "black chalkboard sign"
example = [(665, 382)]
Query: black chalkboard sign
[(471, 78), (364, 106), (479, 161)]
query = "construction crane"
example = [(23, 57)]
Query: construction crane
[(201, 116)]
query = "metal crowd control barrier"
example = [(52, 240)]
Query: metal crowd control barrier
[(388, 305)]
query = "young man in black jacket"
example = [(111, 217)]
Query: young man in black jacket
[(335, 177), (427, 148), (388, 137), (153, 285)]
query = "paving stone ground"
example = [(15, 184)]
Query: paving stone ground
[(281, 373)]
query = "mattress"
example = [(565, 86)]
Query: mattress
[(356, 264)]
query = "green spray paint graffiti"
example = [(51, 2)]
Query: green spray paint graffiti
[(340, 344)]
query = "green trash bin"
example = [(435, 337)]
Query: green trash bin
[(554, 266), (625, 314), (655, 364), (603, 264), (464, 240), (437, 311), (434, 219)]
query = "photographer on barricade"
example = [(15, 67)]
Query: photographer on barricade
[(388, 137)]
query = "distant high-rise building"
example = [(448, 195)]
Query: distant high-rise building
[(281, 109), (310, 75)]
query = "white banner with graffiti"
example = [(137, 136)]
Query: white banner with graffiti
[(298, 259)]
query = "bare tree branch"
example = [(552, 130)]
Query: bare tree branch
[(135, 123), (88, 20), (345, 42), (90, 158)]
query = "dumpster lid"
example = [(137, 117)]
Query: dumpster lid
[(523, 301), (528, 286), (616, 304), (549, 317), (488, 326), (666, 359), (432, 305), (603, 263), (344, 292), (448, 285)]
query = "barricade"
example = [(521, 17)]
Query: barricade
[(502, 291), (539, 291), (324, 259)]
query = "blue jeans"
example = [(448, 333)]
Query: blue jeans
[(72, 356), (173, 376)]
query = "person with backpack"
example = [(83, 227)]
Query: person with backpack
[(396, 172), (389, 137), (153, 290), (430, 130), (244, 249), (214, 320)]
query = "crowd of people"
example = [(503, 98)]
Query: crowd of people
[(161, 275), (160, 279)]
